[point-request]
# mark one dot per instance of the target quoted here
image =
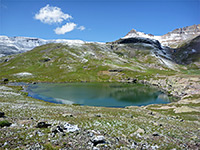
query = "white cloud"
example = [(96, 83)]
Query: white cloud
[(65, 28), (81, 28), (49, 15)]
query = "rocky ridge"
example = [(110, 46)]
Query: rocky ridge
[(171, 39)]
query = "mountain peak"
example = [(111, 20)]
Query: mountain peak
[(135, 33), (172, 38)]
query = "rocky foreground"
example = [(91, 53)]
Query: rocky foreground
[(27, 123)]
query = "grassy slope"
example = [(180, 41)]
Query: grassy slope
[(66, 64)]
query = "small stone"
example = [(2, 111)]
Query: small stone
[(6, 143), (155, 134), (2, 114), (152, 113), (70, 128), (35, 146), (97, 115), (39, 133), (54, 130), (134, 145), (155, 123), (14, 125), (140, 131), (67, 115), (42, 125), (5, 80), (60, 129), (96, 148), (154, 147), (99, 139)]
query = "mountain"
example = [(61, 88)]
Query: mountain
[(86, 62), (97, 62), (188, 52), (171, 39), (129, 60), (15, 45)]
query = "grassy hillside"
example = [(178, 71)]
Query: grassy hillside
[(89, 62)]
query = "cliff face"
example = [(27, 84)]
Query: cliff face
[(171, 39)]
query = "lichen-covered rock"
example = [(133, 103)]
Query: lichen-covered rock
[(140, 130), (99, 139)]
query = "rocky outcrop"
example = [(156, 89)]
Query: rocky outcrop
[(179, 35), (140, 40), (188, 52), (181, 87), (184, 109)]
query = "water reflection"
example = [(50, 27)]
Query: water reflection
[(98, 94)]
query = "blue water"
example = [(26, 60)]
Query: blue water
[(97, 94)]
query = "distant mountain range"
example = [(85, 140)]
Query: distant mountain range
[(15, 45), (124, 60), (171, 39)]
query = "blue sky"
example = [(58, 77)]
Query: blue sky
[(95, 20)]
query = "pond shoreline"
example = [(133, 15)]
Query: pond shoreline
[(178, 88), (142, 88)]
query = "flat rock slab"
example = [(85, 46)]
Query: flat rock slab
[(166, 107), (184, 109)]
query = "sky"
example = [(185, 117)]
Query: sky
[(94, 20)]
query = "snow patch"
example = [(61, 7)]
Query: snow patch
[(23, 74)]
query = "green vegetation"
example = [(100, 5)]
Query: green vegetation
[(61, 63), (5, 123)]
